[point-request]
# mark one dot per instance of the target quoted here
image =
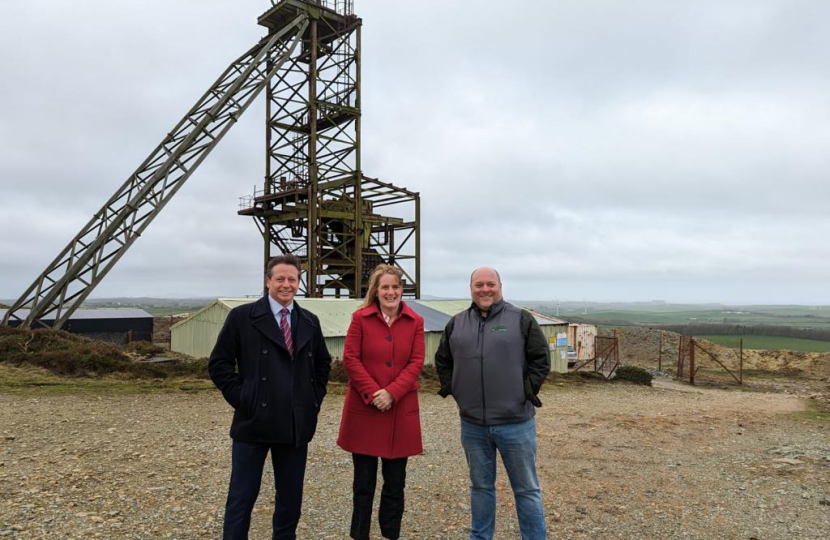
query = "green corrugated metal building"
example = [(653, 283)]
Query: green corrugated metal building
[(196, 335)]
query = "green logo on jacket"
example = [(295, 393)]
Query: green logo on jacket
[(499, 329)]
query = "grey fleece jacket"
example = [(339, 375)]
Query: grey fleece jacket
[(493, 366)]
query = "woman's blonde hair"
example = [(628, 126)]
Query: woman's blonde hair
[(374, 282)]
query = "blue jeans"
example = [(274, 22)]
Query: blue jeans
[(517, 445)]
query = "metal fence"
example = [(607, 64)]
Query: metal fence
[(690, 354), (606, 358)]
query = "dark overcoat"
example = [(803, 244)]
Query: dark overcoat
[(275, 398), (377, 356)]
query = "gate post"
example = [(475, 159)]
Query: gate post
[(692, 361)]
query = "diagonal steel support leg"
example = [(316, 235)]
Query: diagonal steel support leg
[(75, 272)]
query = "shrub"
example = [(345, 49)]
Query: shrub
[(71, 355), (591, 375), (60, 352), (633, 374), (338, 372), (428, 379), (197, 368), (144, 348)]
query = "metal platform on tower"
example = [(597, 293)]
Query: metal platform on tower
[(316, 202)]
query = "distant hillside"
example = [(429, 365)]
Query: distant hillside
[(153, 306), (144, 302), (807, 317)]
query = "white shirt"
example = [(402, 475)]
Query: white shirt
[(276, 308)]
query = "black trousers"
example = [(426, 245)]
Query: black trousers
[(391, 495), (248, 460)]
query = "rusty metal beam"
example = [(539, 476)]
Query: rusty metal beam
[(93, 252)]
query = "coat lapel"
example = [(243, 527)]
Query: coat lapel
[(264, 321), (305, 328)]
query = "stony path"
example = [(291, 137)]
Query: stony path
[(616, 462)]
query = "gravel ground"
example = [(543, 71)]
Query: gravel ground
[(615, 461)]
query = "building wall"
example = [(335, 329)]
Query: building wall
[(142, 329), (117, 330), (586, 339), (558, 364), (335, 345), (197, 335), (431, 342), (582, 337)]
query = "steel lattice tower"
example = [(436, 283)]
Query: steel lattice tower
[(316, 202)]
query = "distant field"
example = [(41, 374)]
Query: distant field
[(765, 315), (771, 343), (166, 312)]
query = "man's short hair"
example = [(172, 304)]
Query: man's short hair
[(479, 268), (286, 258)]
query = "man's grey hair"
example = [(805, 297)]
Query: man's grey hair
[(481, 268)]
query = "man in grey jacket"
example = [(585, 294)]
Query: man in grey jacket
[(493, 359)]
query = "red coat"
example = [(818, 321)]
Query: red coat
[(378, 356)]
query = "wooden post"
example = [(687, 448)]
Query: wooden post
[(660, 358), (692, 361), (741, 364)]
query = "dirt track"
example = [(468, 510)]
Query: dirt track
[(615, 462)]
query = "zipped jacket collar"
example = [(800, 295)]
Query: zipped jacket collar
[(494, 309)]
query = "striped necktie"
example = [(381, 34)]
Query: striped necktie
[(286, 331)]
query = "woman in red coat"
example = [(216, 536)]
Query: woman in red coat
[(383, 357)]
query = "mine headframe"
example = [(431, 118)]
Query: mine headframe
[(305, 39), (316, 202)]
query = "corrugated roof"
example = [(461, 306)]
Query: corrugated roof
[(335, 314), (434, 320), (85, 314), (451, 307), (545, 319)]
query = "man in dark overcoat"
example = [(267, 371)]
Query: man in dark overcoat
[(272, 366)]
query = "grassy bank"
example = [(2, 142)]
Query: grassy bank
[(68, 355), (31, 380)]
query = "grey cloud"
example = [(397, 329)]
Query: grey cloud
[(589, 149)]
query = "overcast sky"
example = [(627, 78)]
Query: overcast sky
[(589, 150)]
